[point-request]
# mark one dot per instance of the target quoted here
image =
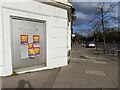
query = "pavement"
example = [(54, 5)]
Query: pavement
[(87, 69)]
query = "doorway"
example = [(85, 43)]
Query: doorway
[(28, 42)]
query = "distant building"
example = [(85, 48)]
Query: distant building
[(34, 35)]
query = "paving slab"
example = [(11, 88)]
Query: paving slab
[(62, 85), (80, 82), (102, 83), (101, 73)]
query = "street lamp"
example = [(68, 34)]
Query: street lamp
[(73, 35)]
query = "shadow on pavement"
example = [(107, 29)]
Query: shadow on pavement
[(24, 84)]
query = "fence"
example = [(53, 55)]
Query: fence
[(113, 49)]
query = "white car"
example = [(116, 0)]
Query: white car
[(90, 44)]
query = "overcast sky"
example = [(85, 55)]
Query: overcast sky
[(85, 11)]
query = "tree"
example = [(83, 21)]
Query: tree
[(112, 35), (96, 25), (102, 18), (77, 37)]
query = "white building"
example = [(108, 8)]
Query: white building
[(34, 35)]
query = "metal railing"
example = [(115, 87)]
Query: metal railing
[(113, 49)]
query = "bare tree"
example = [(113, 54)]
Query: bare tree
[(102, 18), (96, 25)]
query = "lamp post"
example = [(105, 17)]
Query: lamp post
[(73, 36), (96, 39)]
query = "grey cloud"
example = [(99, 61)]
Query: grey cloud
[(84, 7), (85, 11)]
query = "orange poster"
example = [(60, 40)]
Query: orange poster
[(36, 39), (31, 52), (30, 45), (24, 39), (37, 51)]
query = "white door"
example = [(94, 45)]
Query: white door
[(28, 43)]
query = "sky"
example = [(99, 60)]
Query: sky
[(85, 11)]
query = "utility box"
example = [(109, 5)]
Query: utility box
[(35, 36)]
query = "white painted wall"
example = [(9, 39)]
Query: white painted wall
[(69, 36), (59, 41), (56, 32), (1, 40)]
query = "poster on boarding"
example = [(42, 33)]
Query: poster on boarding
[(37, 51), (31, 52), (36, 39), (24, 39)]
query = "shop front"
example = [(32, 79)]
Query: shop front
[(34, 37)]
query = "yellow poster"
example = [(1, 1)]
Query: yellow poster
[(30, 45), (24, 39), (37, 51), (36, 39), (31, 52)]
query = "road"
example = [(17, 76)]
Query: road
[(87, 69)]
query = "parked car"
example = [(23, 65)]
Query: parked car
[(90, 44)]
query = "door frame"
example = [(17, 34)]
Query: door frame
[(7, 40)]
